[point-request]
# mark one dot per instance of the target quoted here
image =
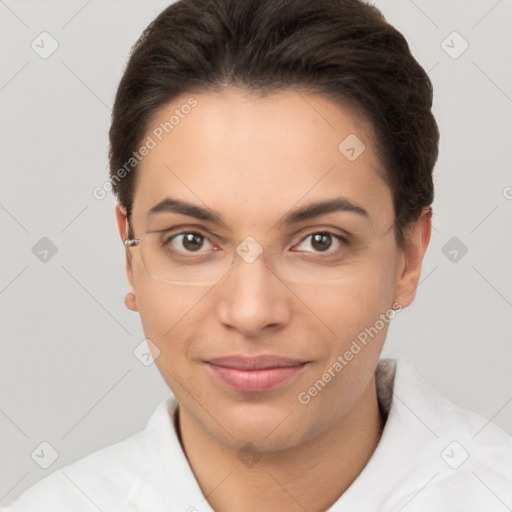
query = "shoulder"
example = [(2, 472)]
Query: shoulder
[(462, 461), (98, 481), (110, 478), (94, 482)]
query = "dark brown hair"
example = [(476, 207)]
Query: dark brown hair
[(343, 49)]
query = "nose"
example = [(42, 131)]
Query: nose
[(252, 299)]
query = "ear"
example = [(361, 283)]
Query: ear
[(122, 228), (417, 238)]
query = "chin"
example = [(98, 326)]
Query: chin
[(269, 427)]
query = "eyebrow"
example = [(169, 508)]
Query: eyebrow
[(339, 204)]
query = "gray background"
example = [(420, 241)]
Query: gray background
[(68, 373)]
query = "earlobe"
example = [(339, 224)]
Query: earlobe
[(417, 239), (130, 302)]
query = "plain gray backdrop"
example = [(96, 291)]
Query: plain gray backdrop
[(69, 376)]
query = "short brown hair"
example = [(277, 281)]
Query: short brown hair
[(343, 49)]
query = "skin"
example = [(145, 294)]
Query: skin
[(252, 159)]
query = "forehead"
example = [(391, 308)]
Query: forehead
[(239, 152)]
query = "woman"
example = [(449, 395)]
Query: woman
[(273, 165)]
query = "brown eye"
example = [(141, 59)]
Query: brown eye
[(192, 241), (321, 241), (185, 242)]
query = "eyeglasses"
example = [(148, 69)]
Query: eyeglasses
[(192, 257)]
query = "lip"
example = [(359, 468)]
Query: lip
[(254, 374)]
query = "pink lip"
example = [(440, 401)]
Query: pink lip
[(254, 374)]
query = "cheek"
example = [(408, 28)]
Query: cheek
[(167, 316), (348, 306), (165, 310), (358, 310)]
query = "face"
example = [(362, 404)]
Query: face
[(242, 355)]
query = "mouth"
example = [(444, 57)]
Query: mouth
[(254, 374)]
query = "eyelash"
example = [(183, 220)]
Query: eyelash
[(343, 241)]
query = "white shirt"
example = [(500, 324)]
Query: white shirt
[(432, 456)]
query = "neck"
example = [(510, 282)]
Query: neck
[(310, 476)]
